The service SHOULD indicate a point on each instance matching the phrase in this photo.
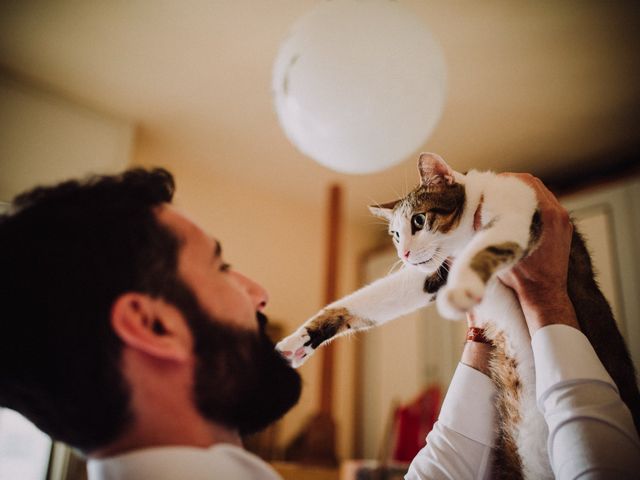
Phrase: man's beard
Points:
(241, 381)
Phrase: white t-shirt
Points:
(221, 461)
(591, 432)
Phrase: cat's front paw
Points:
(296, 347)
(459, 297)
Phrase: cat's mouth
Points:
(428, 260)
(422, 263)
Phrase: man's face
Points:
(240, 379)
(224, 293)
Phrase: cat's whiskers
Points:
(380, 222)
(396, 266)
(439, 256)
(443, 267)
(373, 220)
(373, 202)
(443, 260)
(406, 185)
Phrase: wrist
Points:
(477, 356)
(551, 309)
(477, 350)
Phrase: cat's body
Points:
(485, 223)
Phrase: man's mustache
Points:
(262, 321)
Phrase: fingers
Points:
(542, 192)
(545, 268)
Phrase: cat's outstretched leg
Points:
(503, 239)
(383, 300)
(327, 324)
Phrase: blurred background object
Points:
(359, 86)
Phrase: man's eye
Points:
(418, 220)
(225, 267)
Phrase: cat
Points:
(454, 232)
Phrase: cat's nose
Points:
(407, 253)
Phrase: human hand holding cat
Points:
(540, 279)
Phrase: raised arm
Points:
(591, 431)
(460, 444)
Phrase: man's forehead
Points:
(180, 222)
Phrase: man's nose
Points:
(256, 291)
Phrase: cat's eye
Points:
(418, 220)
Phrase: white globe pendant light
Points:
(359, 85)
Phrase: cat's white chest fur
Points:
(501, 315)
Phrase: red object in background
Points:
(413, 422)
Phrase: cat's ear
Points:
(384, 210)
(434, 170)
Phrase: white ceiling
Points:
(532, 85)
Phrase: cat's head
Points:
(423, 224)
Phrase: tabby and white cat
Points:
(447, 260)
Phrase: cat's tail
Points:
(598, 324)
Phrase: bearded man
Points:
(127, 336)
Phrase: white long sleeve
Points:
(591, 432)
(459, 446)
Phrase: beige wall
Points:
(45, 138)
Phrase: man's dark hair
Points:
(66, 253)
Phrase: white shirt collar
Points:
(220, 461)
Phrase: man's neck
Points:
(202, 435)
(163, 411)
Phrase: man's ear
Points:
(151, 326)
(434, 171)
(383, 211)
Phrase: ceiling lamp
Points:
(359, 85)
